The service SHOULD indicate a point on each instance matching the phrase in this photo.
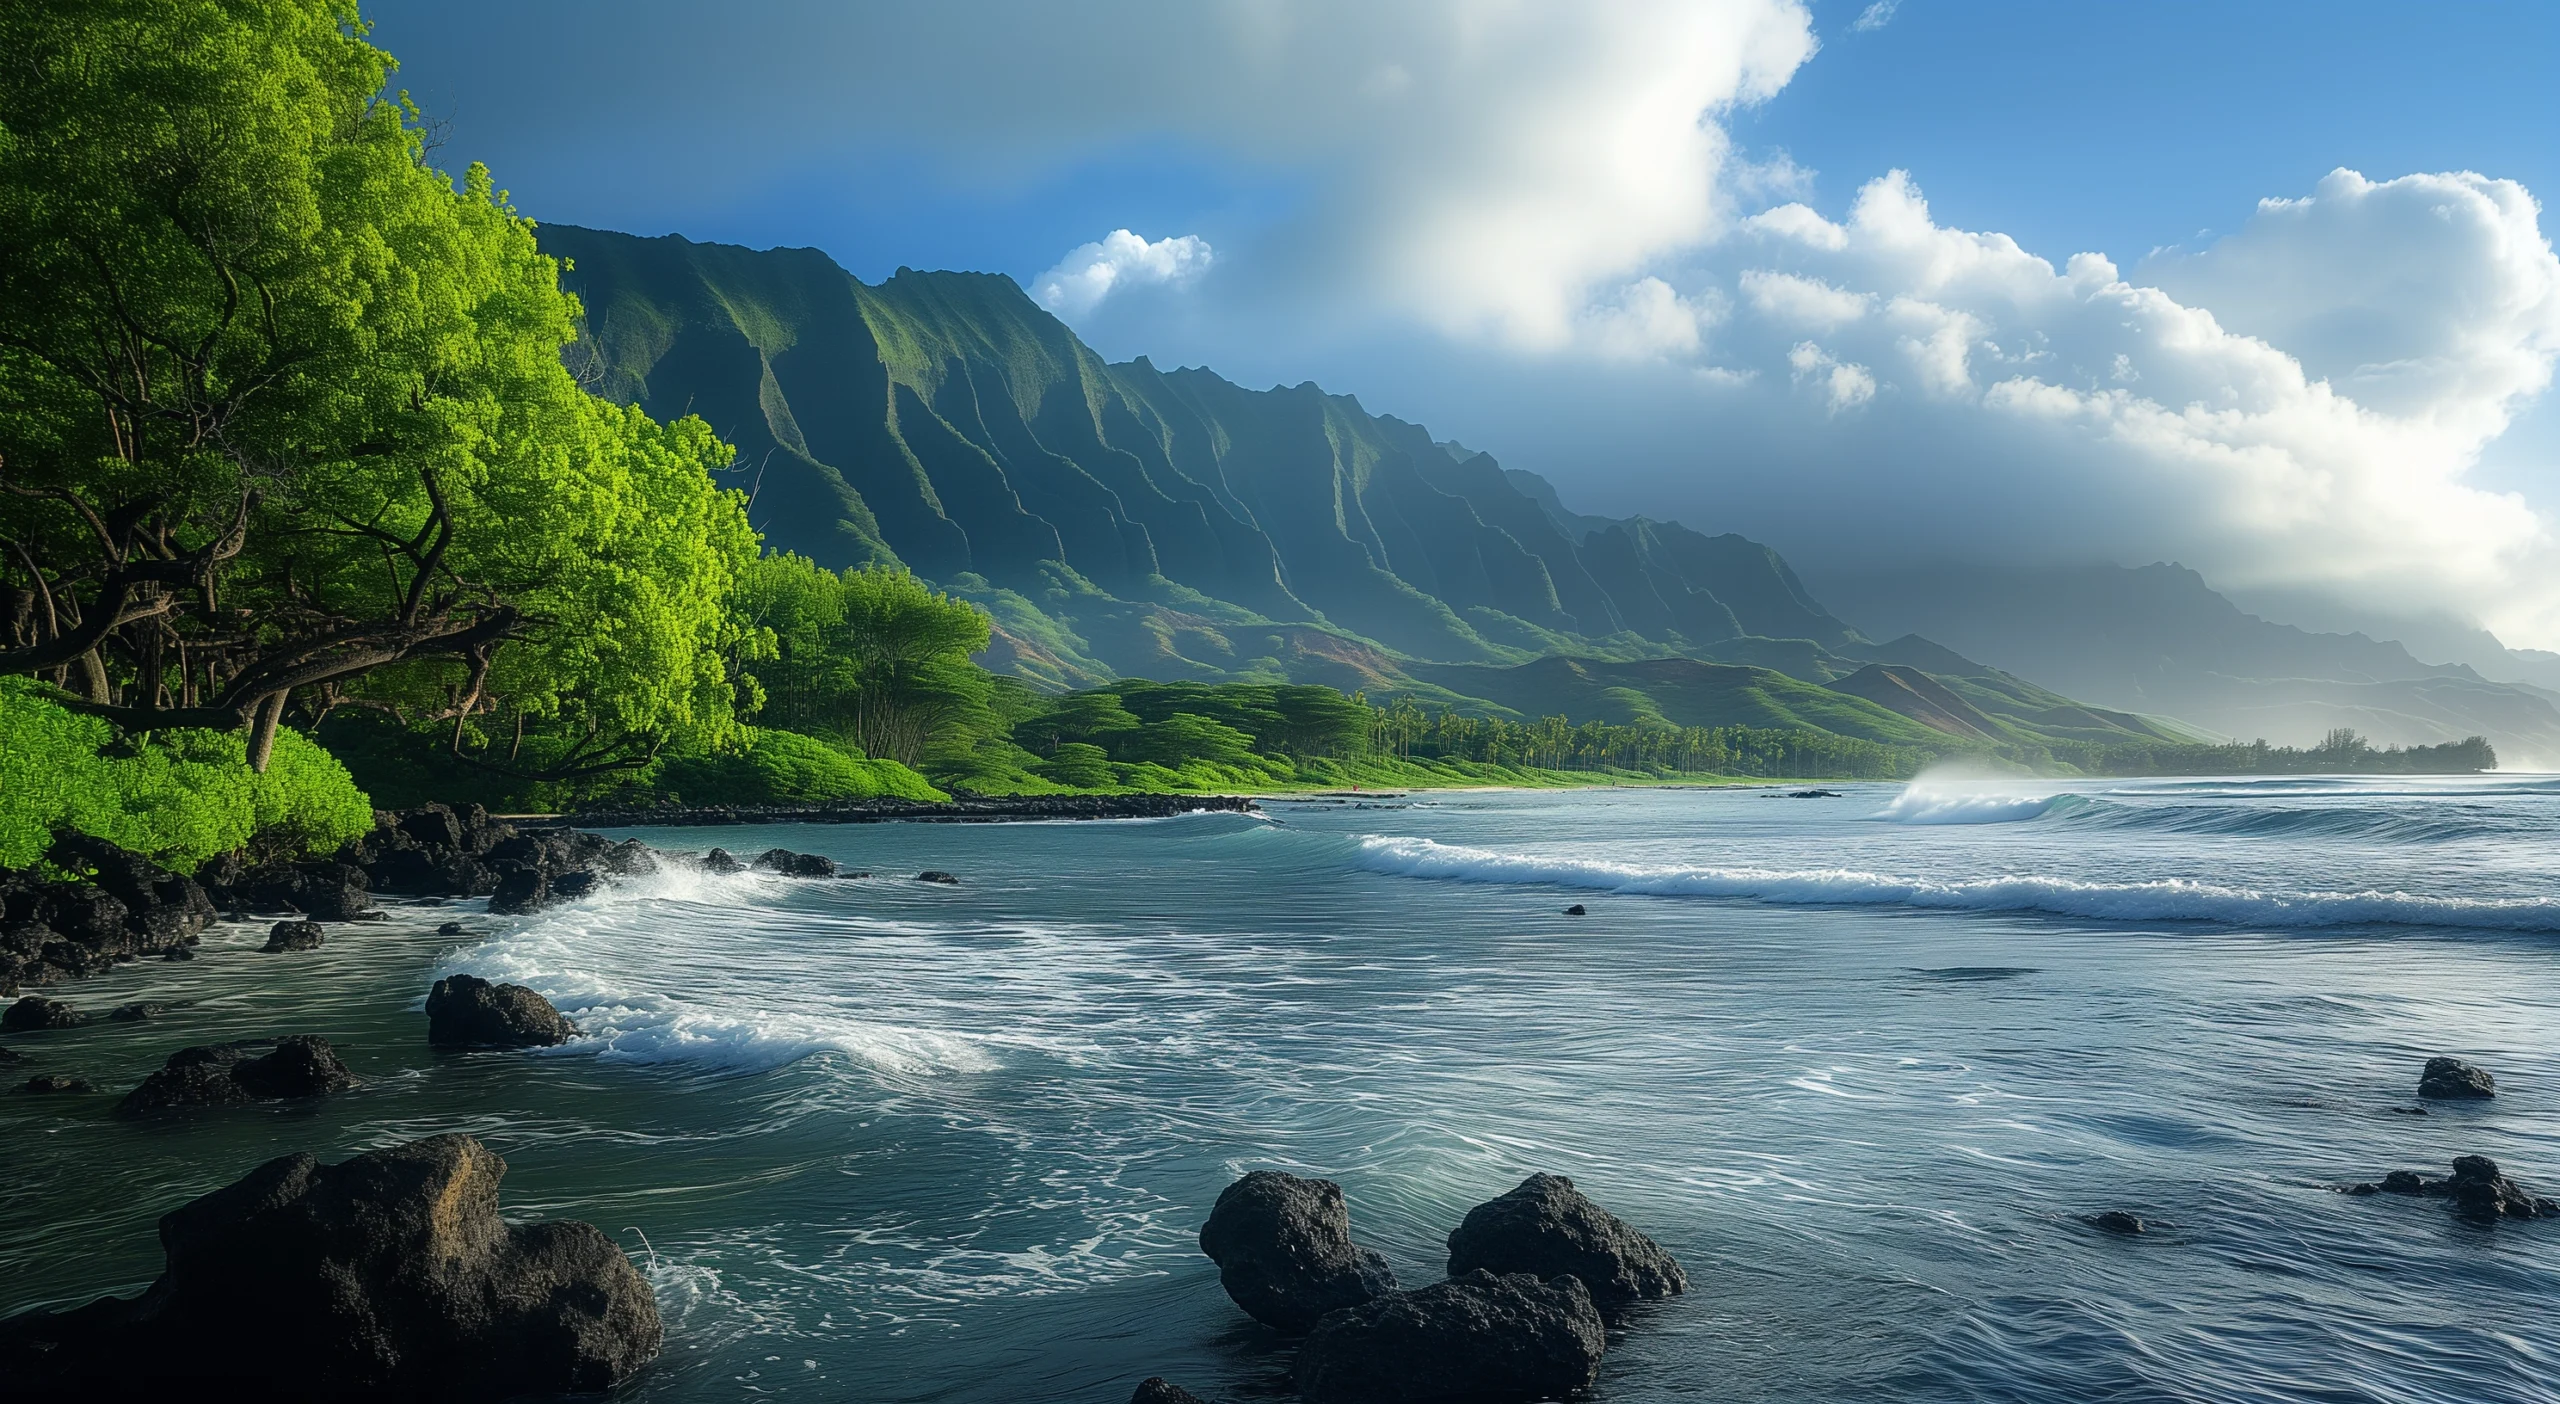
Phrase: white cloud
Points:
(1845, 385)
(1876, 16)
(1091, 272)
(1648, 320)
(2303, 411)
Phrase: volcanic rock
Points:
(2114, 1221)
(37, 1012)
(2453, 1079)
(224, 1074)
(1546, 1227)
(930, 875)
(43, 1083)
(389, 1276)
(790, 864)
(521, 890)
(138, 1011)
(719, 861)
(1474, 1337)
(162, 908)
(1577, 909)
(465, 1011)
(1284, 1251)
(2479, 1191)
(295, 936)
(1155, 1389)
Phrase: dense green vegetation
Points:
(180, 797)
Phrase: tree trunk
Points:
(93, 679)
(262, 730)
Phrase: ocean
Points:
(1862, 1061)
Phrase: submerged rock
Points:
(227, 1074)
(1546, 1227)
(935, 875)
(138, 1011)
(1284, 1251)
(2479, 1190)
(1577, 909)
(388, 1276)
(450, 928)
(43, 1083)
(2114, 1221)
(719, 861)
(37, 1012)
(294, 936)
(465, 1011)
(1475, 1337)
(1155, 1389)
(2451, 1079)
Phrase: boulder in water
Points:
(521, 890)
(1473, 1337)
(936, 875)
(1284, 1251)
(294, 936)
(227, 1074)
(1155, 1389)
(2451, 1079)
(790, 864)
(465, 1011)
(138, 1011)
(389, 1276)
(1577, 909)
(2479, 1190)
(44, 1083)
(2114, 1221)
(718, 860)
(1546, 1227)
(37, 1012)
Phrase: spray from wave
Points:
(2175, 899)
(608, 961)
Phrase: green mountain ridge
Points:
(1122, 520)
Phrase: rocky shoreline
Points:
(962, 809)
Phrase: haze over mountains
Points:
(1124, 520)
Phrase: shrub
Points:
(784, 767)
(176, 796)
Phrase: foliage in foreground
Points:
(179, 796)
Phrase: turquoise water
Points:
(1861, 1063)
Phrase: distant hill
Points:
(1125, 520)
(2159, 640)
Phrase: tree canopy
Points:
(283, 416)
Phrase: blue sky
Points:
(1549, 231)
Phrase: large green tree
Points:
(283, 418)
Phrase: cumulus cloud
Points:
(1091, 272)
(2298, 403)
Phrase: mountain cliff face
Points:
(947, 422)
(1126, 520)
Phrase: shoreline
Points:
(983, 809)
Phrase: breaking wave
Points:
(2175, 899)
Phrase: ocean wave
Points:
(564, 952)
(2173, 899)
(2425, 825)
(1921, 803)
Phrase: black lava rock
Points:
(1284, 1251)
(37, 1012)
(1546, 1227)
(719, 861)
(389, 1276)
(568, 887)
(1577, 909)
(2479, 1191)
(225, 1074)
(46, 1083)
(521, 890)
(450, 928)
(179, 953)
(295, 936)
(790, 864)
(2452, 1079)
(1476, 1337)
(2114, 1221)
(1155, 1389)
(932, 875)
(465, 1011)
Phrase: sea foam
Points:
(2174, 899)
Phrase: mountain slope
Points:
(1125, 520)
(2159, 640)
